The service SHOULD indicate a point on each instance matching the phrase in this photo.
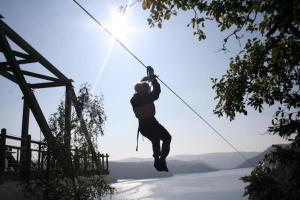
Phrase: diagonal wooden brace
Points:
(85, 131)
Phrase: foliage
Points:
(265, 72)
(93, 114)
(61, 187)
(277, 176)
(56, 184)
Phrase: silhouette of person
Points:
(144, 109)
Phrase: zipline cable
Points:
(166, 85)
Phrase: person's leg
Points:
(163, 135)
(156, 152)
(166, 139)
(155, 147)
(149, 131)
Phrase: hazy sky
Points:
(70, 40)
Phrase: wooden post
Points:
(85, 160)
(2, 150)
(18, 158)
(98, 157)
(68, 127)
(39, 157)
(68, 108)
(24, 134)
(25, 119)
(107, 161)
(76, 160)
(102, 159)
(297, 11)
(47, 163)
(42, 160)
(47, 173)
(28, 154)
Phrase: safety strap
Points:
(137, 139)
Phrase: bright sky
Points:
(74, 43)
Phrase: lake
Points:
(218, 185)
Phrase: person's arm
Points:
(154, 94)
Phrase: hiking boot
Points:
(163, 165)
(157, 165)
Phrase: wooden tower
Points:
(11, 69)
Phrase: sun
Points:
(119, 26)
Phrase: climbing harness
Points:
(137, 139)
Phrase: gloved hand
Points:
(150, 70)
(150, 74)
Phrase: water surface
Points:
(219, 185)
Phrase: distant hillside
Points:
(182, 167)
(142, 168)
(222, 160)
(255, 160)
(145, 169)
(135, 170)
(135, 159)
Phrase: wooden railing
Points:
(33, 157)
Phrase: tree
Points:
(265, 72)
(58, 185)
(93, 114)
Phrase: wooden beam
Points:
(21, 55)
(20, 62)
(31, 51)
(7, 75)
(26, 61)
(36, 75)
(46, 85)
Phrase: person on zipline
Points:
(144, 109)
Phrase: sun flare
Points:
(119, 26)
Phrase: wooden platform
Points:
(23, 156)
